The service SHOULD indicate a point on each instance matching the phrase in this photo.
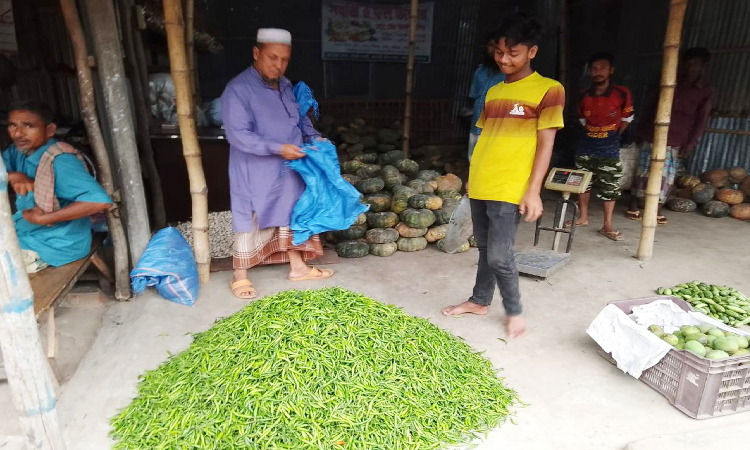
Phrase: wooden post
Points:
(410, 74)
(25, 364)
(190, 149)
(142, 114)
(106, 38)
(88, 110)
(564, 42)
(189, 7)
(663, 114)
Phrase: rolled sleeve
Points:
(74, 184)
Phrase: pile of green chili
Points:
(319, 369)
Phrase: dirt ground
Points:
(576, 400)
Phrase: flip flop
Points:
(315, 274)
(569, 224)
(661, 220)
(243, 289)
(634, 215)
(614, 235)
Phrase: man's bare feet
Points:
(515, 327)
(465, 308)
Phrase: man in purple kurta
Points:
(262, 124)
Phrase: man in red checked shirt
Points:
(606, 110)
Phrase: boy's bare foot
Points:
(515, 326)
(465, 308)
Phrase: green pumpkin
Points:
(383, 250)
(389, 171)
(436, 233)
(417, 218)
(361, 219)
(367, 158)
(407, 166)
(381, 235)
(369, 142)
(382, 219)
(369, 171)
(385, 148)
(422, 201)
(682, 205)
(379, 201)
(449, 195)
(448, 183)
(393, 156)
(352, 233)
(421, 186)
(443, 215)
(352, 179)
(352, 249)
(703, 193)
(352, 166)
(715, 209)
(427, 175)
(406, 231)
(464, 247)
(414, 244)
(370, 185)
(401, 196)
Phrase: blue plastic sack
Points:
(305, 99)
(169, 266)
(329, 202)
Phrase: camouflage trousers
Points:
(607, 173)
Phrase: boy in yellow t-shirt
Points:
(519, 122)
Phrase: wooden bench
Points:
(52, 284)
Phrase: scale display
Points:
(568, 180)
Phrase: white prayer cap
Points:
(274, 36)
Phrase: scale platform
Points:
(539, 262)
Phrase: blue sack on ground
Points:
(329, 202)
(169, 266)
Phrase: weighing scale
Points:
(542, 262)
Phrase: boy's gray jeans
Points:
(495, 226)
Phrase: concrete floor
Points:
(576, 399)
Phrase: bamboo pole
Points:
(413, 20)
(26, 366)
(105, 35)
(663, 114)
(142, 114)
(90, 119)
(189, 8)
(190, 148)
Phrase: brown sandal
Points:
(315, 274)
(243, 289)
(634, 215)
(614, 235)
(661, 220)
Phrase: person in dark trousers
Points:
(520, 118)
(605, 111)
(691, 109)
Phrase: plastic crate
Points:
(699, 387)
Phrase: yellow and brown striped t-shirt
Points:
(513, 113)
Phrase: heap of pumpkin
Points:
(717, 192)
(409, 207)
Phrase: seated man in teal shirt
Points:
(57, 227)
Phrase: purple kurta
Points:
(258, 120)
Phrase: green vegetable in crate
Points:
(703, 193)
(370, 185)
(720, 302)
(352, 249)
(741, 211)
(407, 166)
(698, 337)
(717, 354)
(695, 347)
(436, 233)
(421, 186)
(682, 205)
(379, 201)
(386, 219)
(417, 218)
(368, 158)
(715, 332)
(687, 330)
(715, 209)
(670, 339)
(414, 244)
(427, 175)
(369, 171)
(656, 329)
(730, 196)
(422, 201)
(352, 166)
(386, 249)
(406, 231)
(726, 345)
(742, 341)
(381, 235)
(350, 234)
(352, 179)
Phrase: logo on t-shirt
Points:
(517, 110)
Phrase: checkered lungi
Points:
(671, 166)
(270, 246)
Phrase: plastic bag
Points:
(213, 112)
(329, 202)
(168, 265)
(460, 227)
(305, 99)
